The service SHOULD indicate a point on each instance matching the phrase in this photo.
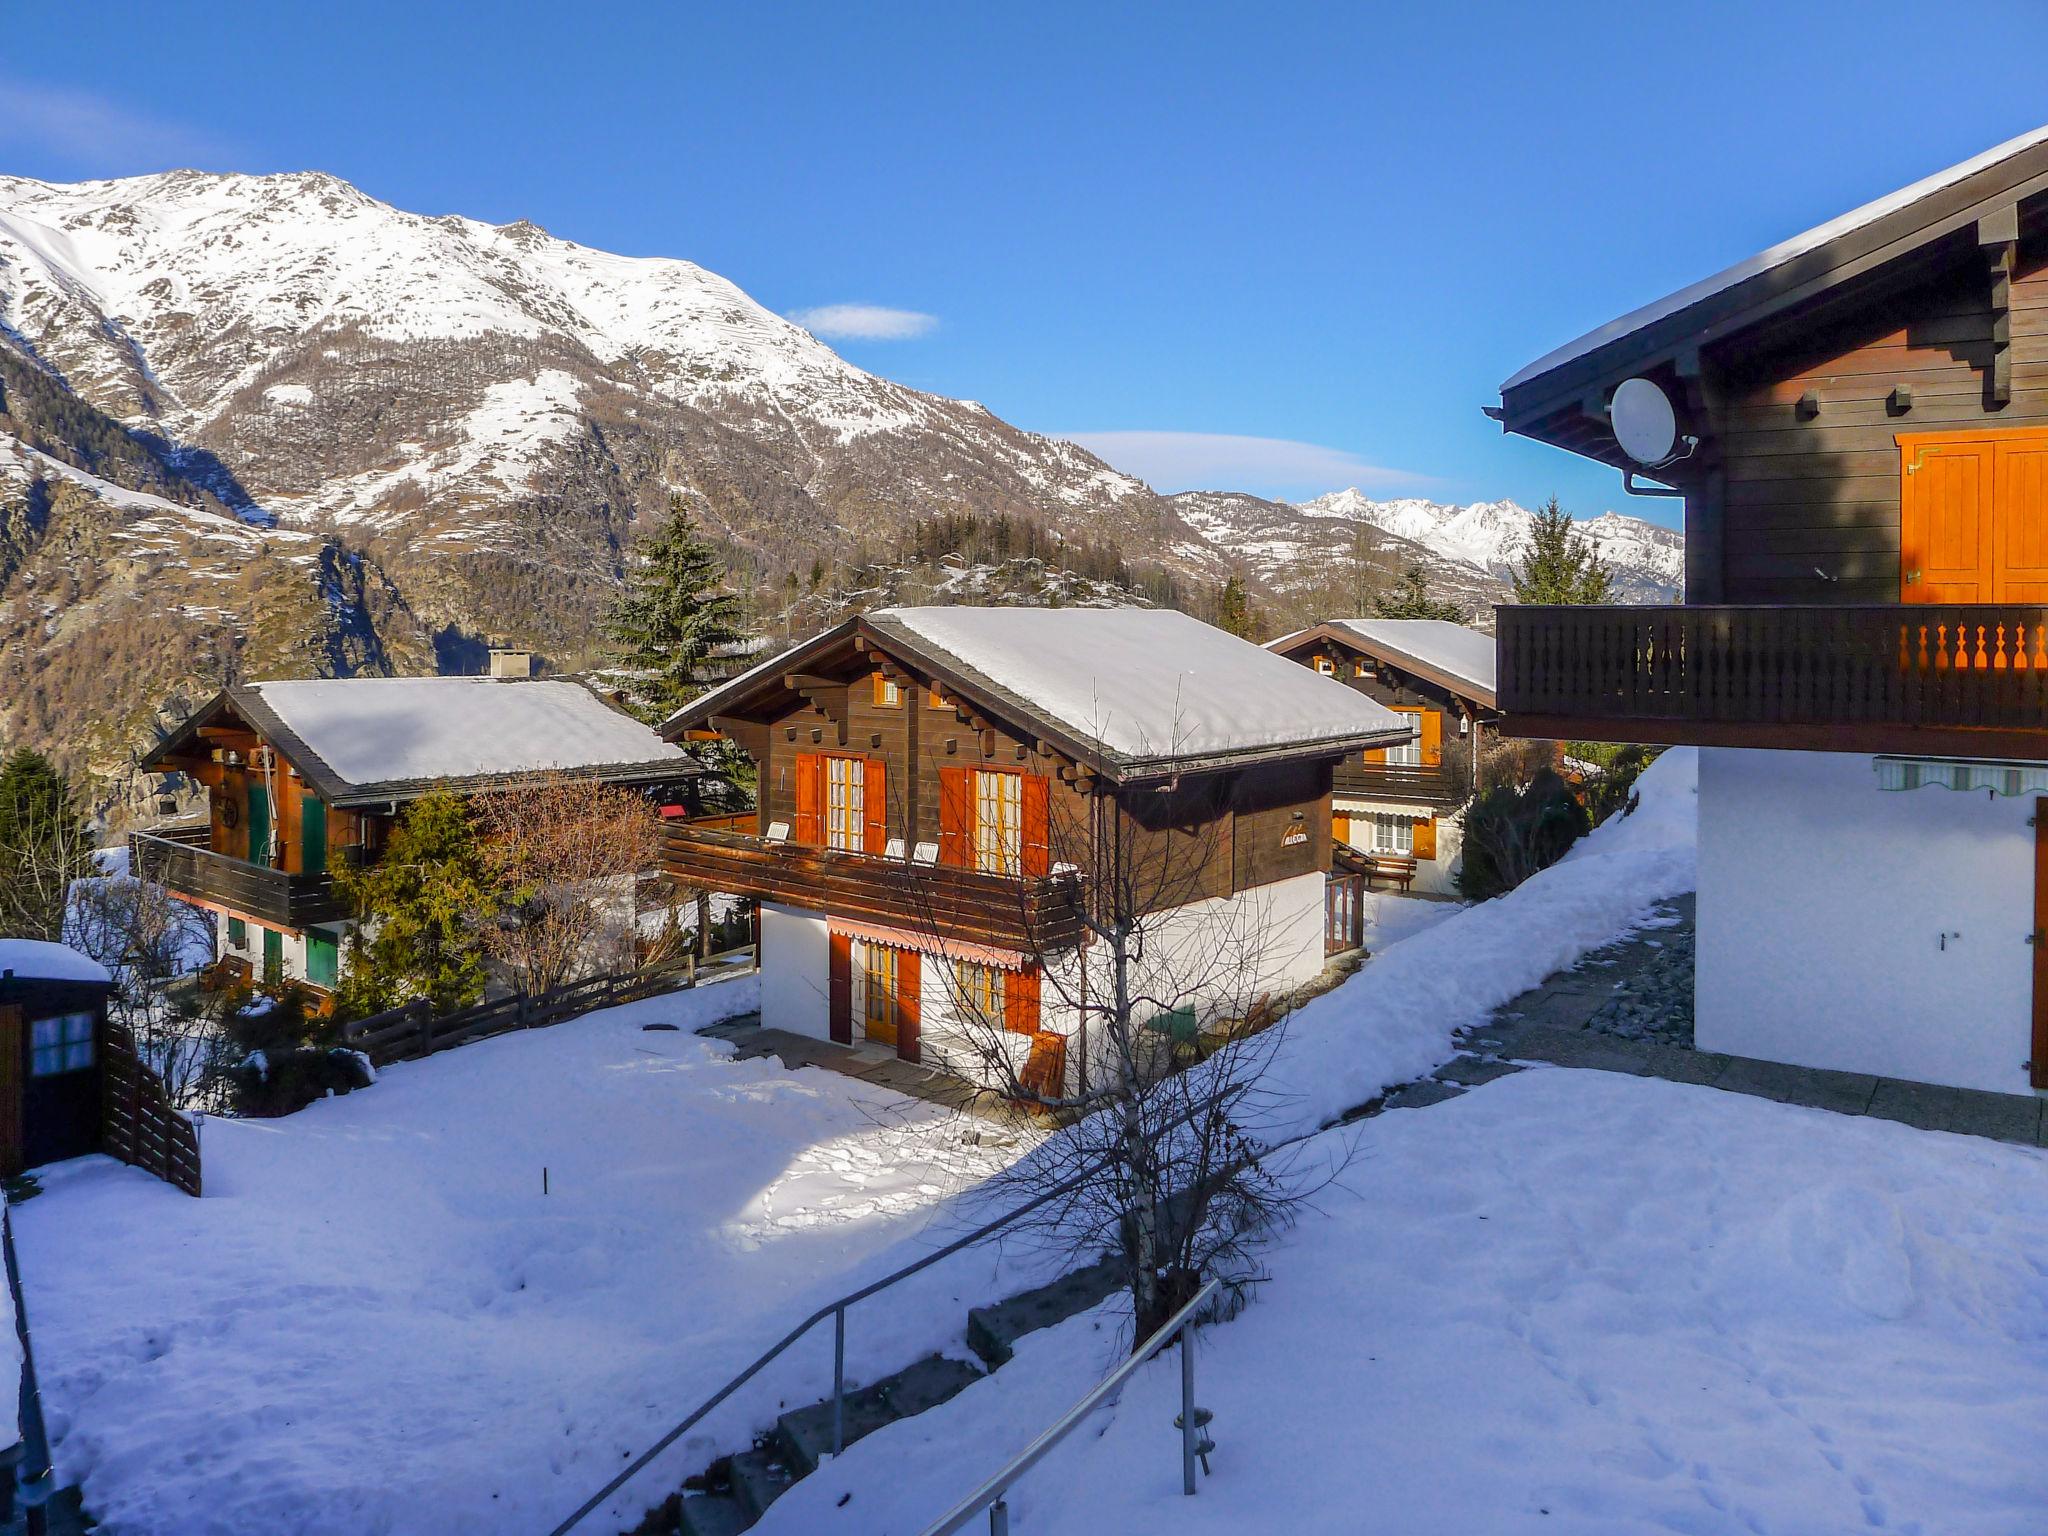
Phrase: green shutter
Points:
(312, 835)
(238, 933)
(273, 958)
(323, 957)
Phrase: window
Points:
(933, 698)
(238, 933)
(1326, 667)
(1361, 668)
(1389, 833)
(1409, 756)
(880, 994)
(888, 692)
(981, 992)
(999, 823)
(323, 957)
(845, 803)
(62, 1044)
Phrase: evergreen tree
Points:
(674, 614)
(1410, 599)
(1561, 565)
(45, 844)
(1234, 608)
(420, 911)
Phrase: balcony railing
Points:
(1963, 679)
(1017, 914)
(270, 896)
(1449, 784)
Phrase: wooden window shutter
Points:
(1037, 804)
(810, 799)
(1020, 1001)
(1376, 755)
(956, 817)
(1432, 738)
(909, 1002)
(1340, 826)
(874, 800)
(1425, 838)
(839, 990)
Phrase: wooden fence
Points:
(138, 1123)
(413, 1030)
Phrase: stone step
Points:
(804, 1435)
(759, 1478)
(712, 1514)
(992, 1331)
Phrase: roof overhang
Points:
(1564, 403)
(1330, 632)
(865, 635)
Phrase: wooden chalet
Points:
(1401, 808)
(303, 776)
(1856, 422)
(943, 790)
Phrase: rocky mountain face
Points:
(1328, 555)
(270, 426)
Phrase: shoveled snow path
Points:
(1567, 1302)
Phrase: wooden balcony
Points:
(268, 896)
(1446, 786)
(1022, 915)
(1965, 680)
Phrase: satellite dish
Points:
(1644, 423)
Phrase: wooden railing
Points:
(250, 890)
(1022, 915)
(1448, 784)
(138, 1123)
(1966, 679)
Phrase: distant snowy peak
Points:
(1493, 536)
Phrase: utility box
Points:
(507, 663)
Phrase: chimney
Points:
(507, 663)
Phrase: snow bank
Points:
(1569, 1302)
(1392, 1022)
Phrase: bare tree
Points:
(45, 845)
(1157, 1029)
(567, 853)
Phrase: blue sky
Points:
(1274, 248)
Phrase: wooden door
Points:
(1945, 520)
(12, 1049)
(2020, 478)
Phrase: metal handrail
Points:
(837, 1311)
(991, 1494)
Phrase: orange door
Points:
(2020, 477)
(1945, 519)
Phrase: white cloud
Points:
(865, 322)
(1212, 461)
(98, 134)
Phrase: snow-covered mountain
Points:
(1309, 552)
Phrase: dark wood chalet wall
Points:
(1809, 502)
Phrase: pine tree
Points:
(1234, 608)
(1561, 566)
(420, 912)
(1411, 599)
(45, 844)
(673, 616)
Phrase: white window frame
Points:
(1389, 832)
(1409, 756)
(845, 803)
(998, 822)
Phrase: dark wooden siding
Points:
(1810, 509)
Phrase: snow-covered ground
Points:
(1391, 917)
(376, 1322)
(1568, 1302)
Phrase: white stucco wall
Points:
(795, 972)
(294, 947)
(1823, 903)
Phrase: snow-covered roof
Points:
(1143, 689)
(40, 960)
(1776, 256)
(374, 729)
(1459, 657)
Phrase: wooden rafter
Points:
(1999, 238)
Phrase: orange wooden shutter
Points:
(1340, 826)
(1432, 738)
(909, 1002)
(1425, 838)
(1037, 803)
(839, 988)
(1376, 755)
(956, 817)
(874, 799)
(1945, 521)
(810, 799)
(1020, 1001)
(2021, 552)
